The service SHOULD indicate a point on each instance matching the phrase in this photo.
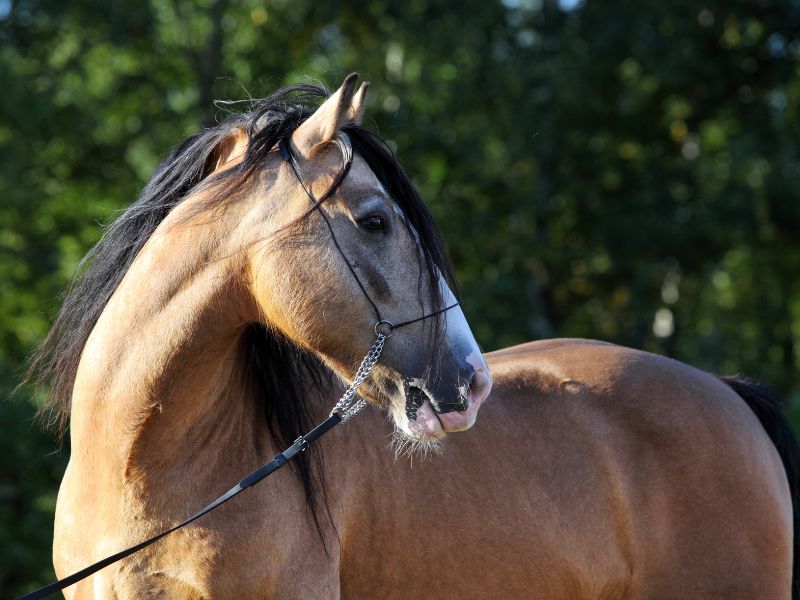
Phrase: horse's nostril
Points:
(480, 384)
(414, 399)
(472, 383)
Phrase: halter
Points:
(345, 409)
(348, 405)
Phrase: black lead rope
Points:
(300, 444)
(303, 442)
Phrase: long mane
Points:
(275, 366)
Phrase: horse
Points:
(228, 308)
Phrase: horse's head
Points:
(366, 250)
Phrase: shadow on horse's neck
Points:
(162, 392)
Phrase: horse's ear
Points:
(359, 104)
(228, 152)
(343, 107)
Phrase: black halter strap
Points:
(347, 158)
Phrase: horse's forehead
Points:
(361, 179)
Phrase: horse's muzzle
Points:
(428, 417)
(480, 384)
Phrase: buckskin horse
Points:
(228, 308)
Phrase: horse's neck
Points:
(160, 392)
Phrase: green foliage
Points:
(612, 170)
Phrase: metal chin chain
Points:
(350, 404)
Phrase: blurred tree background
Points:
(614, 170)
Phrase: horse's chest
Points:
(204, 565)
(234, 559)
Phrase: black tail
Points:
(768, 407)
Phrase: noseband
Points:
(344, 409)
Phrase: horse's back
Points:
(663, 462)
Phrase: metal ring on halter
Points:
(386, 330)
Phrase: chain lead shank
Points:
(350, 404)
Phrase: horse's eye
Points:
(373, 223)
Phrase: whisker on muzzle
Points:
(405, 446)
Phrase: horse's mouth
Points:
(420, 421)
(423, 422)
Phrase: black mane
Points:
(275, 366)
